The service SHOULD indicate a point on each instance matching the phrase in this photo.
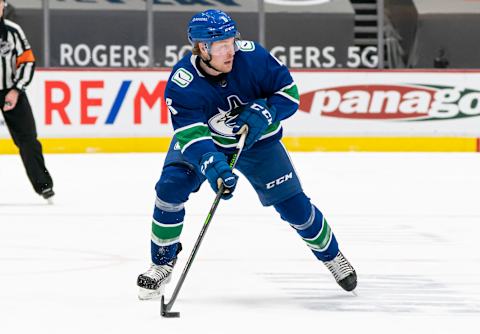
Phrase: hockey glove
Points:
(257, 116)
(217, 171)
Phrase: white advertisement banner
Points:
(95, 104)
(100, 103)
(387, 103)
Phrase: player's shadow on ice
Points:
(375, 293)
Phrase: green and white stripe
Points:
(169, 207)
(290, 92)
(224, 141)
(308, 223)
(322, 240)
(192, 133)
(196, 132)
(271, 130)
(166, 234)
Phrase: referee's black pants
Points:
(21, 125)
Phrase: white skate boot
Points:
(343, 272)
(152, 283)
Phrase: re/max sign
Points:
(94, 103)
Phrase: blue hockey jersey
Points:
(203, 107)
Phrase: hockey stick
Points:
(165, 308)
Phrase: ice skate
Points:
(343, 272)
(152, 283)
(48, 194)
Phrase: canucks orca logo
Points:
(223, 122)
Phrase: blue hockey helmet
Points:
(210, 26)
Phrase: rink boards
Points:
(369, 110)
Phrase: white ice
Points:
(409, 223)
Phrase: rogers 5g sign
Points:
(102, 55)
(298, 56)
(326, 57)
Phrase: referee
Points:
(17, 65)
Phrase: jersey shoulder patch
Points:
(246, 46)
(182, 77)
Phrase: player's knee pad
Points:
(296, 210)
(176, 183)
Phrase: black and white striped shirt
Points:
(17, 62)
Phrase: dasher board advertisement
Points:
(130, 103)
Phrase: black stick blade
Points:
(166, 314)
(171, 314)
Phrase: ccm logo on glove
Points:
(216, 169)
(265, 112)
(257, 115)
(205, 164)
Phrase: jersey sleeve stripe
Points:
(290, 92)
(271, 130)
(193, 125)
(229, 142)
(191, 142)
(188, 135)
(224, 141)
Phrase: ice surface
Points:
(409, 223)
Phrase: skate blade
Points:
(147, 294)
(50, 201)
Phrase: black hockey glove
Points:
(257, 115)
(215, 167)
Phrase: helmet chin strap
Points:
(207, 62)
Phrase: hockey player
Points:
(224, 84)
